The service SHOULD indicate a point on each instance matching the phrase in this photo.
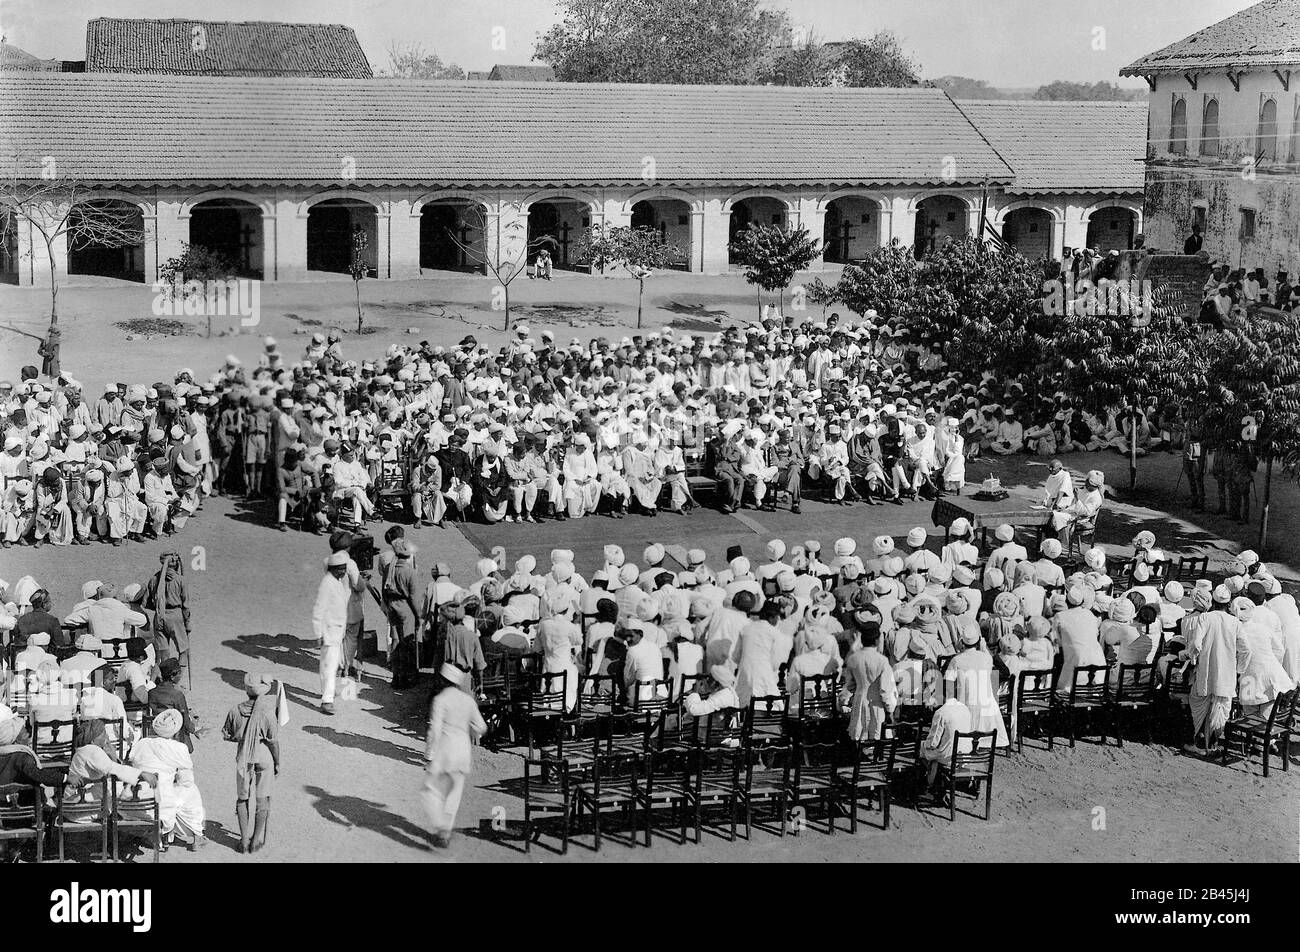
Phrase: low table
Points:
(1015, 511)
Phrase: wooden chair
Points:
(723, 728)
(1173, 702)
(872, 773)
(1089, 696)
(1134, 693)
(22, 815)
(675, 730)
(767, 722)
(908, 765)
(652, 696)
(715, 781)
(542, 704)
(769, 785)
(135, 809)
(52, 738)
(813, 778)
(1034, 694)
(1276, 728)
(547, 792)
(1190, 568)
(88, 810)
(113, 651)
(667, 779)
(393, 487)
(974, 764)
(818, 714)
(613, 785)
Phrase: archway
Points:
(8, 245)
(671, 219)
(759, 210)
(1112, 228)
(1029, 231)
(96, 230)
(557, 224)
(451, 236)
(939, 218)
(233, 229)
(851, 229)
(330, 225)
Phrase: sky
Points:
(1008, 43)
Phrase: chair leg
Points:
(528, 830)
(988, 796)
(884, 805)
(1266, 753)
(952, 799)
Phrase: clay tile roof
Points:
(523, 74)
(1265, 36)
(228, 48)
(1066, 146)
(124, 129)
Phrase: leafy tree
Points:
(963, 87)
(1255, 370)
(878, 61)
(411, 61)
(1103, 91)
(357, 266)
(192, 272)
(660, 41)
(639, 251)
(772, 256)
(884, 281)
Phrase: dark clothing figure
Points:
(34, 621)
(167, 597)
(168, 696)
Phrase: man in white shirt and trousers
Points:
(329, 621)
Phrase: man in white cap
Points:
(919, 560)
(653, 556)
(1008, 552)
(329, 621)
(454, 723)
(1087, 505)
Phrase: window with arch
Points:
(1266, 140)
(1178, 126)
(1210, 127)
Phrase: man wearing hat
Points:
(329, 621)
(168, 695)
(454, 723)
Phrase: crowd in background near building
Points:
(535, 429)
(1230, 293)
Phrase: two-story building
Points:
(1223, 140)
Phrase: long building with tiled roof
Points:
(275, 173)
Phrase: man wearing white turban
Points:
(180, 806)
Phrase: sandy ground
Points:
(350, 786)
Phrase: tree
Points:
(772, 256)
(1255, 370)
(357, 266)
(192, 273)
(639, 251)
(1103, 91)
(879, 61)
(963, 87)
(410, 61)
(62, 208)
(505, 250)
(884, 281)
(660, 41)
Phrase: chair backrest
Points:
(12, 807)
(597, 691)
(21, 688)
(718, 766)
(1090, 684)
(675, 728)
(875, 758)
(1178, 680)
(722, 728)
(52, 737)
(689, 684)
(1282, 717)
(494, 679)
(611, 765)
(1135, 682)
(766, 721)
(978, 757)
(1036, 685)
(815, 758)
(651, 695)
(546, 690)
(1159, 572)
(908, 737)
(113, 650)
(818, 696)
(1192, 567)
(628, 729)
